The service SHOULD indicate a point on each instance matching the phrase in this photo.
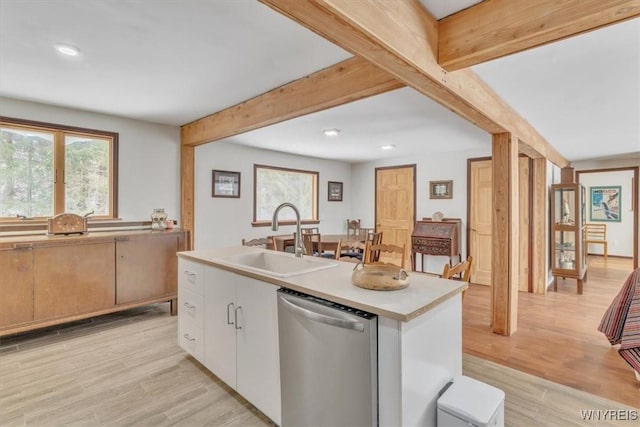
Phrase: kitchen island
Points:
(228, 321)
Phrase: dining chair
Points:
(350, 250)
(311, 242)
(265, 242)
(375, 239)
(310, 230)
(393, 254)
(353, 227)
(460, 271)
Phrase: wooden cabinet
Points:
(16, 285)
(72, 279)
(567, 233)
(47, 280)
(240, 332)
(134, 283)
(435, 238)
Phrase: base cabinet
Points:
(240, 330)
(73, 279)
(49, 280)
(16, 286)
(135, 283)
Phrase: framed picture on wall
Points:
(334, 191)
(440, 189)
(225, 184)
(605, 204)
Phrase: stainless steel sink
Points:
(277, 264)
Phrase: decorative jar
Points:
(158, 219)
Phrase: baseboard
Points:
(611, 256)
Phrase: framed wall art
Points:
(334, 191)
(440, 189)
(225, 184)
(605, 204)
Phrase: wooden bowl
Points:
(379, 277)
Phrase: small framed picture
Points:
(225, 184)
(335, 191)
(440, 189)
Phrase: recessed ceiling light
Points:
(68, 50)
(331, 132)
(388, 147)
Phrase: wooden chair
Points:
(312, 243)
(596, 234)
(350, 250)
(265, 242)
(310, 230)
(375, 239)
(460, 271)
(353, 228)
(373, 253)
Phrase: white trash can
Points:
(471, 402)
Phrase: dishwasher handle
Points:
(323, 318)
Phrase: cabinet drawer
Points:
(191, 276)
(191, 323)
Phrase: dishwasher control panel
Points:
(327, 303)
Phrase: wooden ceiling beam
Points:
(347, 81)
(497, 28)
(401, 38)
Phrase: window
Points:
(274, 186)
(47, 169)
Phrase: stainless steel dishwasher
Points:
(328, 362)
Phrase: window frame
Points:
(59, 133)
(315, 198)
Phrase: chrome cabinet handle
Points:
(229, 322)
(236, 316)
(188, 337)
(189, 273)
(188, 305)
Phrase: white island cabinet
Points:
(236, 325)
(229, 323)
(241, 337)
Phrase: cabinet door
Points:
(146, 268)
(16, 286)
(257, 345)
(219, 321)
(73, 279)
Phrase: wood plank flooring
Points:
(557, 337)
(125, 369)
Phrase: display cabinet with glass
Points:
(567, 235)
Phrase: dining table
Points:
(329, 242)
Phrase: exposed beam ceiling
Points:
(497, 28)
(344, 82)
(401, 37)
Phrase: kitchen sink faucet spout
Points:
(298, 249)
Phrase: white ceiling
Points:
(175, 61)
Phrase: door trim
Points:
(530, 230)
(634, 204)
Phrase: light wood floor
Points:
(125, 369)
(557, 337)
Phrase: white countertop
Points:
(423, 293)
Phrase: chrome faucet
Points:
(298, 249)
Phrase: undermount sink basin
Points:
(277, 264)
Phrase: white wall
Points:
(223, 222)
(148, 158)
(429, 167)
